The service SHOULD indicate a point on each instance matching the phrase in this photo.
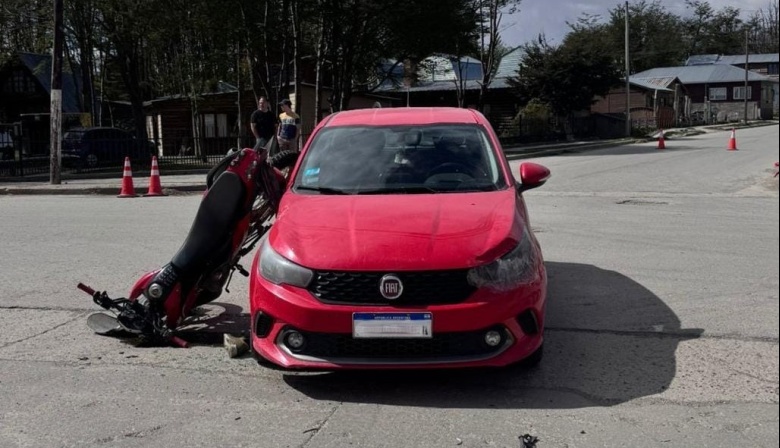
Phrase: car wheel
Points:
(92, 160)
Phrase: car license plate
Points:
(392, 325)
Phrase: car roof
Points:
(96, 128)
(403, 116)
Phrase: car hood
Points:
(396, 232)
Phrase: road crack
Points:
(69, 321)
(316, 429)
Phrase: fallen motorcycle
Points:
(242, 195)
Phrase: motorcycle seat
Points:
(213, 227)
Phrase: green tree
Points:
(764, 28)
(25, 25)
(654, 37)
(567, 77)
(725, 32)
(489, 14)
(126, 25)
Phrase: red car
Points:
(403, 241)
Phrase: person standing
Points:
(287, 135)
(262, 122)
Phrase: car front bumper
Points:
(457, 340)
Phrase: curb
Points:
(177, 190)
(517, 155)
(105, 176)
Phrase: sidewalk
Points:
(171, 185)
(179, 184)
(532, 151)
(194, 183)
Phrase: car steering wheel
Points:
(458, 168)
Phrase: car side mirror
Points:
(532, 175)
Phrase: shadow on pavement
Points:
(609, 340)
(632, 149)
(209, 323)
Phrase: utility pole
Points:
(628, 84)
(55, 114)
(239, 119)
(747, 57)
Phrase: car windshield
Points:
(5, 139)
(73, 135)
(400, 159)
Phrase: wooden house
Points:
(213, 123)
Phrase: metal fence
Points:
(23, 158)
(553, 129)
(26, 158)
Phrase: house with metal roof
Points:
(654, 102)
(717, 92)
(25, 100)
(25, 87)
(437, 80)
(763, 63)
(767, 64)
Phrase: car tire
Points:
(91, 160)
(282, 160)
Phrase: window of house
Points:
(19, 82)
(718, 93)
(772, 69)
(209, 126)
(739, 93)
(215, 125)
(222, 127)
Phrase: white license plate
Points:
(392, 325)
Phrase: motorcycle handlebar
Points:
(180, 342)
(86, 289)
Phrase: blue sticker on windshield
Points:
(312, 172)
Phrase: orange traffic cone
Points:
(661, 143)
(128, 191)
(733, 141)
(155, 189)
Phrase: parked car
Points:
(402, 241)
(6, 145)
(101, 146)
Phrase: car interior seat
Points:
(402, 170)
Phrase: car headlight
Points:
(518, 267)
(279, 270)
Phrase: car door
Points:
(121, 143)
(96, 147)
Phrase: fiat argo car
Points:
(403, 241)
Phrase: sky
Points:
(550, 16)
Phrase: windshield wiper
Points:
(400, 189)
(322, 190)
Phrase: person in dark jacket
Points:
(263, 122)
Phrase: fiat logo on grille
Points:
(391, 287)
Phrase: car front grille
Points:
(442, 346)
(419, 288)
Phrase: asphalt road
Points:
(662, 315)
